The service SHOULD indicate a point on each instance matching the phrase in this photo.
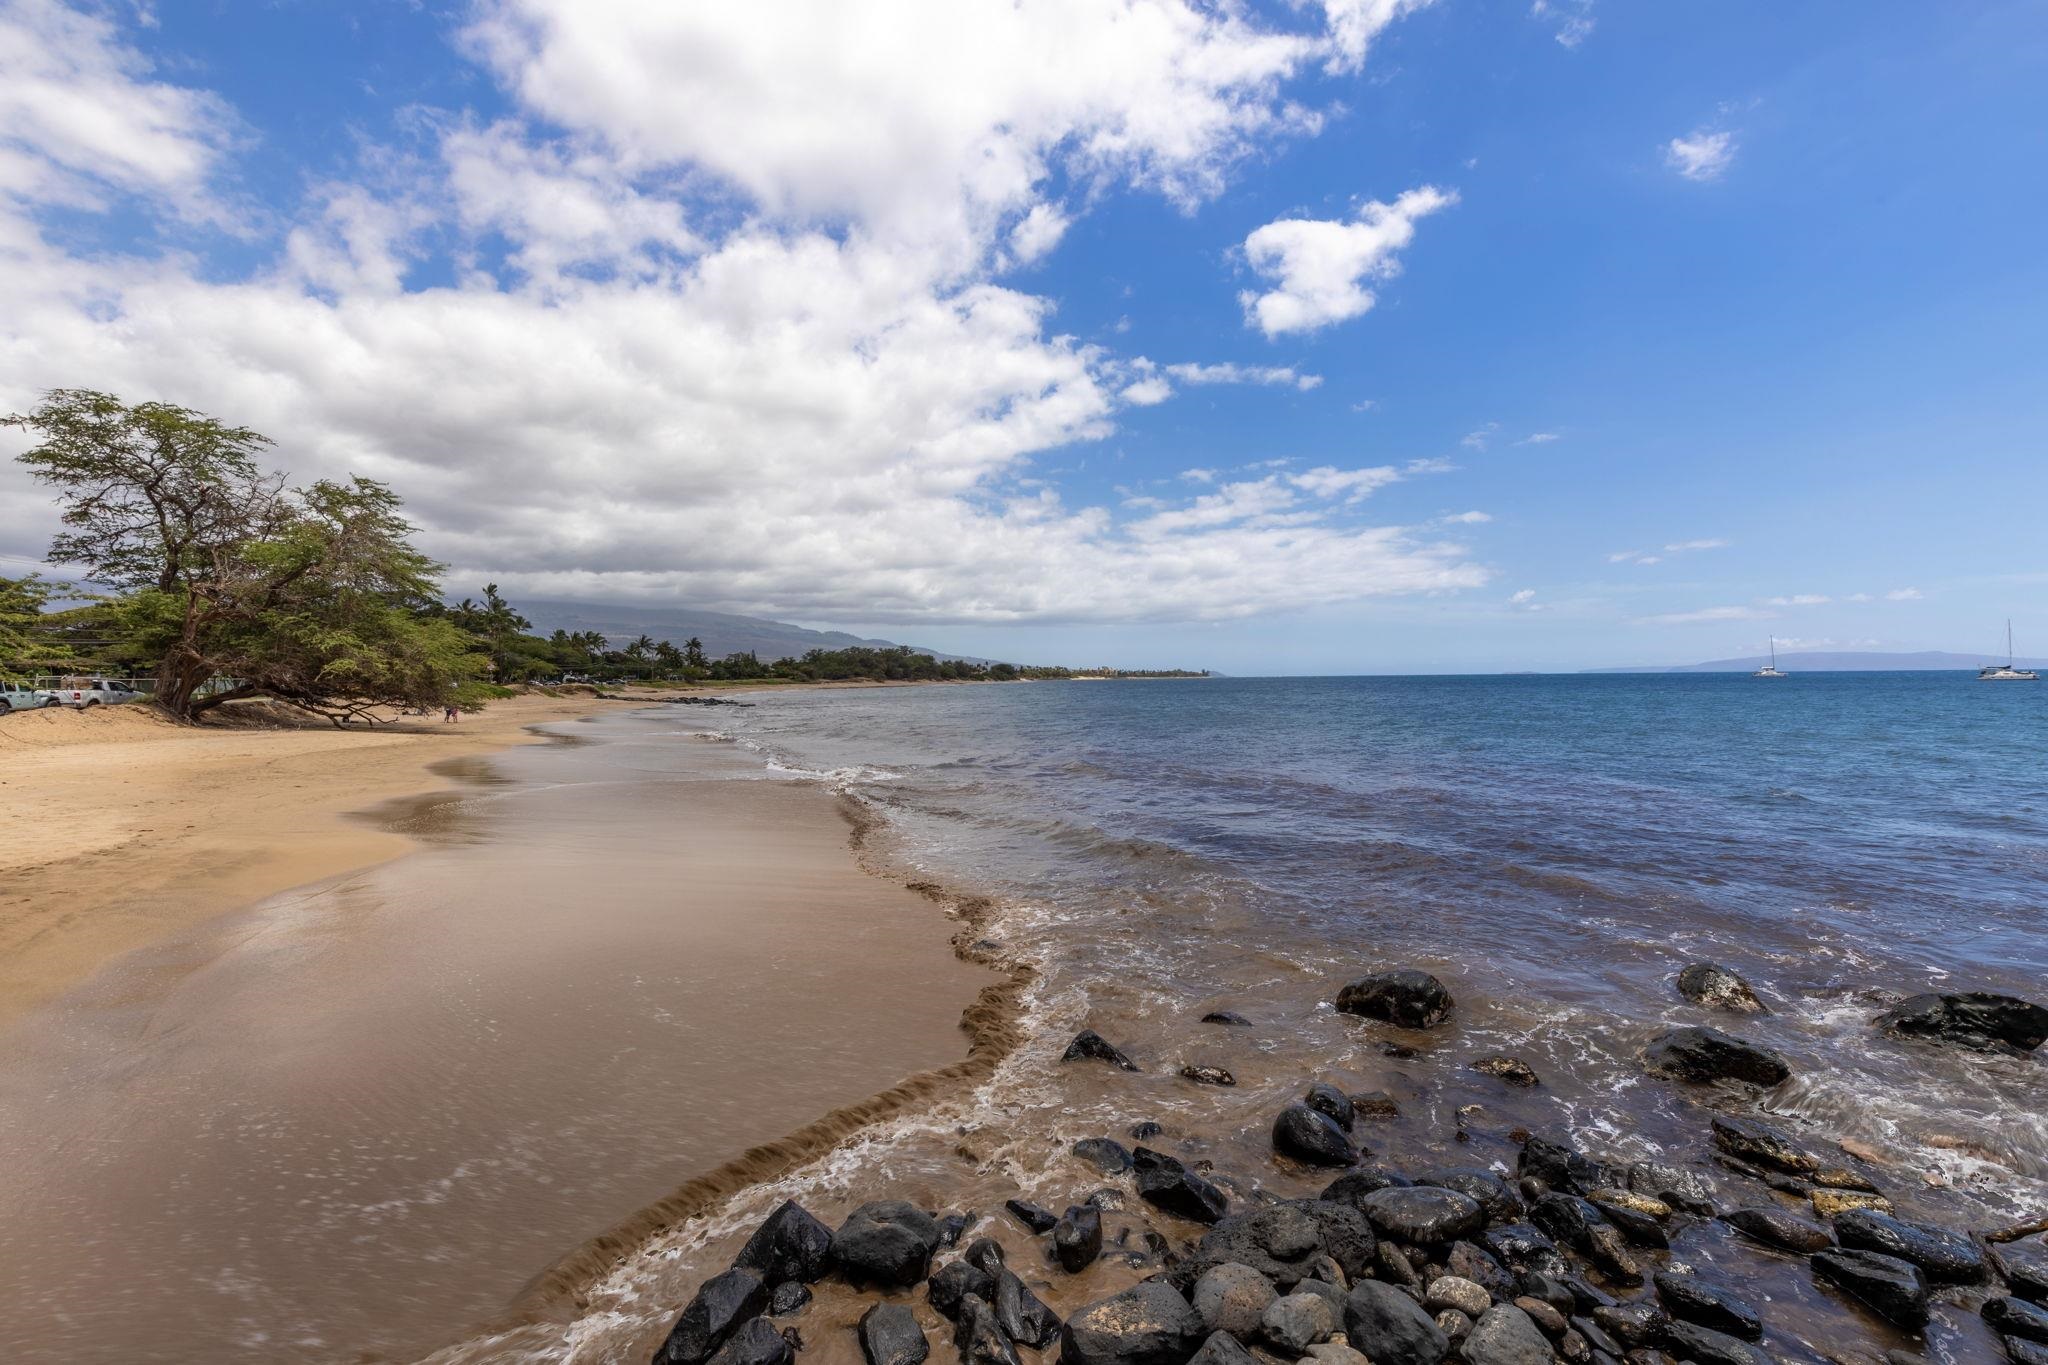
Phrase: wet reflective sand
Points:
(359, 1117)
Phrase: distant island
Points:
(1923, 661)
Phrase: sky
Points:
(1331, 336)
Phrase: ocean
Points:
(1554, 848)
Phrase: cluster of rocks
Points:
(1551, 1262)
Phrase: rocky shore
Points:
(1564, 1254)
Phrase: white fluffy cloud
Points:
(1321, 269)
(709, 337)
(1701, 155)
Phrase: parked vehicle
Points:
(15, 697)
(82, 692)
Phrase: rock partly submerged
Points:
(1702, 1054)
(1972, 1019)
(1716, 987)
(1411, 999)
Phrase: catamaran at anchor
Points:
(1770, 670)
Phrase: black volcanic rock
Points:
(889, 1335)
(1974, 1019)
(1147, 1324)
(1353, 1186)
(1513, 1070)
(1109, 1156)
(1227, 1018)
(1088, 1045)
(1410, 999)
(2011, 1317)
(1944, 1256)
(1703, 983)
(1390, 1328)
(1691, 1299)
(1311, 1136)
(1037, 1217)
(1753, 1141)
(1705, 1346)
(720, 1305)
(979, 1338)
(1077, 1238)
(956, 1282)
(1892, 1288)
(1563, 1167)
(1777, 1228)
(755, 1342)
(1021, 1315)
(1165, 1183)
(2025, 1267)
(1328, 1099)
(1423, 1215)
(1495, 1194)
(1707, 1054)
(888, 1243)
(791, 1296)
(789, 1245)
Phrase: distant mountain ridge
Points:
(722, 633)
(1923, 661)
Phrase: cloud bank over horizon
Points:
(659, 320)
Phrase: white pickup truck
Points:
(97, 692)
(15, 697)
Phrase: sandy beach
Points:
(123, 827)
(623, 973)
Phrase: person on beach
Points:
(449, 716)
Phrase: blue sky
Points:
(1689, 325)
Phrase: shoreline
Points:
(346, 977)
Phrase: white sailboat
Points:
(2005, 672)
(1770, 670)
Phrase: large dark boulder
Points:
(1107, 1155)
(1974, 1019)
(1147, 1324)
(1389, 1328)
(1505, 1335)
(1166, 1184)
(1946, 1257)
(1077, 1238)
(1283, 1242)
(1020, 1314)
(789, 1245)
(955, 1283)
(1346, 1235)
(1423, 1215)
(720, 1305)
(1705, 1346)
(1088, 1045)
(1222, 1349)
(1313, 1137)
(2025, 1267)
(1520, 1247)
(1688, 1298)
(1777, 1228)
(1707, 1054)
(1325, 1098)
(1561, 1166)
(1037, 1217)
(1409, 998)
(1759, 1143)
(887, 1243)
(1678, 1186)
(1892, 1288)
(1703, 983)
(979, 1338)
(755, 1342)
(1567, 1218)
(1495, 1195)
(889, 1335)
(2011, 1317)
(1353, 1186)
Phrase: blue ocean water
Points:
(1557, 846)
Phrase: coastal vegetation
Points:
(222, 582)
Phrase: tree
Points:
(25, 643)
(239, 588)
(693, 652)
(149, 491)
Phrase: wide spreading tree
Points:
(235, 585)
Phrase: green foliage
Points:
(25, 643)
(149, 492)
